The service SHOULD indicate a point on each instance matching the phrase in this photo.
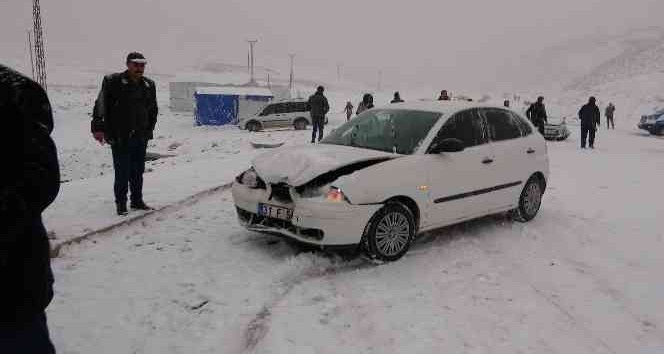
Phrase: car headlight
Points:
(336, 195)
(249, 178)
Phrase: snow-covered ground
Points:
(583, 277)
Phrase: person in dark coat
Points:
(397, 98)
(349, 110)
(30, 183)
(610, 109)
(319, 108)
(589, 116)
(444, 96)
(537, 114)
(128, 106)
(367, 103)
(506, 103)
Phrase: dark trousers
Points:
(129, 165)
(317, 126)
(540, 127)
(609, 120)
(587, 133)
(29, 337)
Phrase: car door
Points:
(459, 182)
(509, 141)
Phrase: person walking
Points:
(444, 96)
(349, 110)
(30, 183)
(589, 116)
(367, 103)
(128, 106)
(319, 108)
(608, 113)
(537, 114)
(397, 98)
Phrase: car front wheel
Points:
(390, 232)
(300, 124)
(529, 201)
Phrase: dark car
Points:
(647, 123)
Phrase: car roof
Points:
(290, 100)
(446, 108)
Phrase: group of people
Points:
(589, 116)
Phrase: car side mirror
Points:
(447, 145)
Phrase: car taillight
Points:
(335, 195)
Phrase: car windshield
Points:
(390, 130)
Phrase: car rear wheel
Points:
(253, 126)
(390, 232)
(529, 201)
(300, 124)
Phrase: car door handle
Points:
(530, 151)
(487, 160)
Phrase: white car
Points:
(556, 129)
(288, 113)
(392, 173)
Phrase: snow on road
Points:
(583, 277)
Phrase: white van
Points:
(287, 113)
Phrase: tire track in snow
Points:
(170, 208)
(259, 326)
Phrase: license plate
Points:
(276, 212)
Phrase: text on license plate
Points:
(275, 211)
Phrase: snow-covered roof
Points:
(235, 91)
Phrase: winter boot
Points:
(122, 209)
(140, 206)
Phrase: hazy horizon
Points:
(417, 42)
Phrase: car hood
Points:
(297, 165)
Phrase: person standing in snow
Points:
(367, 103)
(30, 183)
(397, 98)
(349, 110)
(537, 114)
(319, 108)
(128, 108)
(506, 103)
(608, 113)
(443, 96)
(589, 116)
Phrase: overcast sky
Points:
(426, 39)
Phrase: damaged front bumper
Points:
(315, 221)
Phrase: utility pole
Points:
(40, 51)
(292, 75)
(32, 59)
(252, 42)
(380, 74)
(338, 72)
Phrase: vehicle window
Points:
(523, 125)
(302, 107)
(399, 131)
(468, 126)
(502, 126)
(268, 110)
(280, 108)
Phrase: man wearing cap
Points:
(127, 104)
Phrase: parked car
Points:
(391, 173)
(556, 129)
(658, 127)
(287, 113)
(647, 123)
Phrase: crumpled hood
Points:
(297, 165)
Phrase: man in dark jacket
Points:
(589, 116)
(537, 114)
(129, 111)
(30, 182)
(610, 109)
(397, 98)
(319, 108)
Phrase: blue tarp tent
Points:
(225, 105)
